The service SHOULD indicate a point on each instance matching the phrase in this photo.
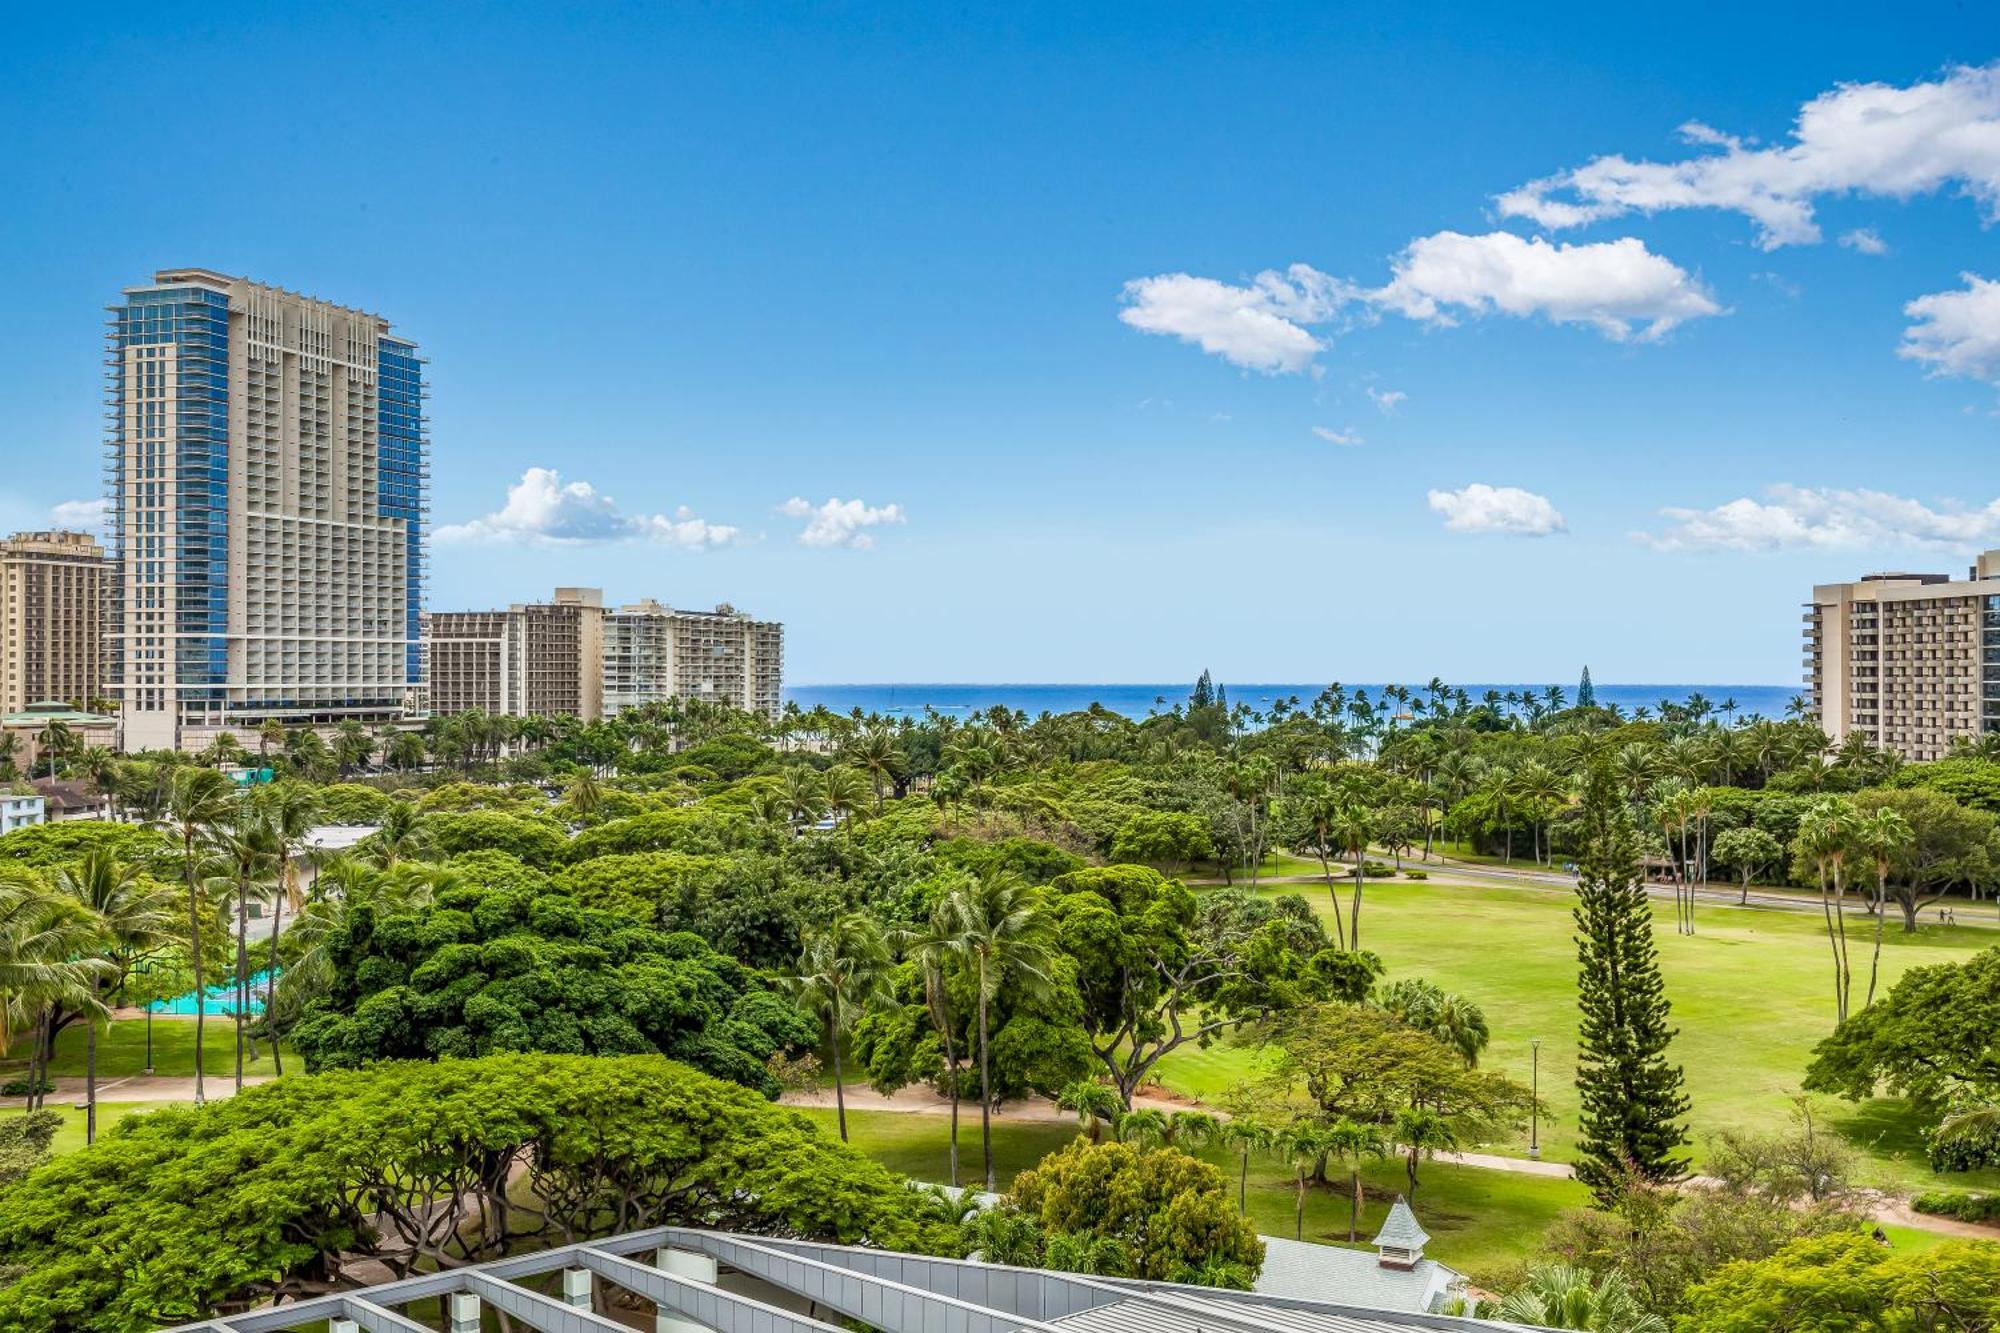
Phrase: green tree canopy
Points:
(1833, 1284)
(1170, 1213)
(183, 1214)
(486, 969)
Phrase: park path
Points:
(916, 1100)
(71, 1091)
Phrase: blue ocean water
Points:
(1139, 700)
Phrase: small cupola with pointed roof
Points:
(1400, 1243)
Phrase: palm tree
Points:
(56, 740)
(269, 734)
(1305, 1145)
(846, 795)
(843, 975)
(1880, 835)
(932, 949)
(877, 754)
(251, 846)
(1004, 934)
(1143, 1126)
(804, 795)
(290, 810)
(1245, 1135)
(1539, 789)
(1095, 1105)
(1190, 1129)
(352, 746)
(585, 794)
(198, 801)
(1422, 1132)
(1826, 835)
(1349, 1141)
(400, 834)
(133, 916)
(1354, 826)
(46, 944)
(1559, 1296)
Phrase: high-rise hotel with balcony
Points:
(266, 472)
(1906, 661)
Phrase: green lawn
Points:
(70, 1137)
(1483, 1221)
(121, 1050)
(1751, 994)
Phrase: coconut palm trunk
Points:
(985, 1084)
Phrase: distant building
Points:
(27, 727)
(1906, 661)
(67, 799)
(654, 652)
(266, 463)
(20, 808)
(533, 659)
(53, 587)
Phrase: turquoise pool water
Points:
(216, 1001)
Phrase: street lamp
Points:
(145, 969)
(1535, 1099)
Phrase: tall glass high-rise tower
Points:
(266, 476)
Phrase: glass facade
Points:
(169, 399)
(403, 474)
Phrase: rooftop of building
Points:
(194, 275)
(44, 711)
(62, 541)
(774, 1285)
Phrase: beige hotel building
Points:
(1906, 661)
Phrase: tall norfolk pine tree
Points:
(1586, 693)
(1632, 1098)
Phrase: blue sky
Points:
(712, 260)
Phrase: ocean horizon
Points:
(1138, 700)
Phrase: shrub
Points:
(1416, 874)
(1169, 1215)
(24, 1086)
(1961, 1204)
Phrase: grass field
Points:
(1482, 1221)
(1752, 994)
(121, 1051)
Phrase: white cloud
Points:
(1865, 241)
(1612, 286)
(81, 515)
(1331, 436)
(1386, 399)
(840, 522)
(543, 510)
(1862, 138)
(1609, 285)
(1957, 333)
(1501, 509)
(1258, 327)
(1816, 518)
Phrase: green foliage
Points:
(351, 803)
(1965, 1205)
(535, 840)
(695, 831)
(182, 1214)
(1848, 1281)
(24, 1142)
(1973, 782)
(1930, 1039)
(1035, 861)
(43, 845)
(657, 888)
(730, 757)
(1148, 956)
(484, 970)
(1160, 837)
(1632, 1097)
(1171, 1214)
